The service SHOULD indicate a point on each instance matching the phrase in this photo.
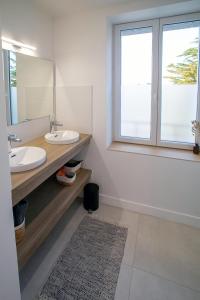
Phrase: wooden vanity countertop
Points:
(24, 183)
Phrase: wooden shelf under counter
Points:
(47, 204)
(24, 183)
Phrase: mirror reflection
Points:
(28, 87)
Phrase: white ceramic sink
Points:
(62, 137)
(26, 158)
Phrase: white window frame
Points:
(157, 34)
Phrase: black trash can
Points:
(91, 197)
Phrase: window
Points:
(10, 63)
(156, 76)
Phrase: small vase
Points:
(196, 149)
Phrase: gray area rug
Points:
(88, 268)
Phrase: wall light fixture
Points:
(10, 44)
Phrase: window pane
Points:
(136, 76)
(179, 81)
(13, 88)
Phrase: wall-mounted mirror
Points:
(29, 85)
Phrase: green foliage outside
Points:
(185, 72)
(13, 73)
(13, 80)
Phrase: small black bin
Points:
(91, 197)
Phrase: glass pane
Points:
(13, 88)
(136, 77)
(179, 81)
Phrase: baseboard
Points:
(151, 210)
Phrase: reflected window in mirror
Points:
(29, 83)
(10, 86)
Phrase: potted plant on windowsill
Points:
(196, 133)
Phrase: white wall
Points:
(160, 186)
(24, 22)
(28, 131)
(21, 21)
(78, 100)
(9, 282)
(34, 87)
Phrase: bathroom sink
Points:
(26, 158)
(62, 137)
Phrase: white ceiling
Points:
(62, 7)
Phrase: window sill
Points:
(155, 151)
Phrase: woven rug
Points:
(88, 268)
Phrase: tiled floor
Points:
(161, 259)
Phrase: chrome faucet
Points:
(12, 138)
(53, 125)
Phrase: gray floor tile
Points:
(118, 216)
(145, 286)
(129, 250)
(169, 250)
(124, 218)
(124, 282)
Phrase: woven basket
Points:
(20, 232)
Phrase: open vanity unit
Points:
(48, 200)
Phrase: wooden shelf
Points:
(24, 183)
(47, 204)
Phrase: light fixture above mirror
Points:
(9, 44)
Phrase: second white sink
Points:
(62, 137)
(26, 158)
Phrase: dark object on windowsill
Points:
(196, 149)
